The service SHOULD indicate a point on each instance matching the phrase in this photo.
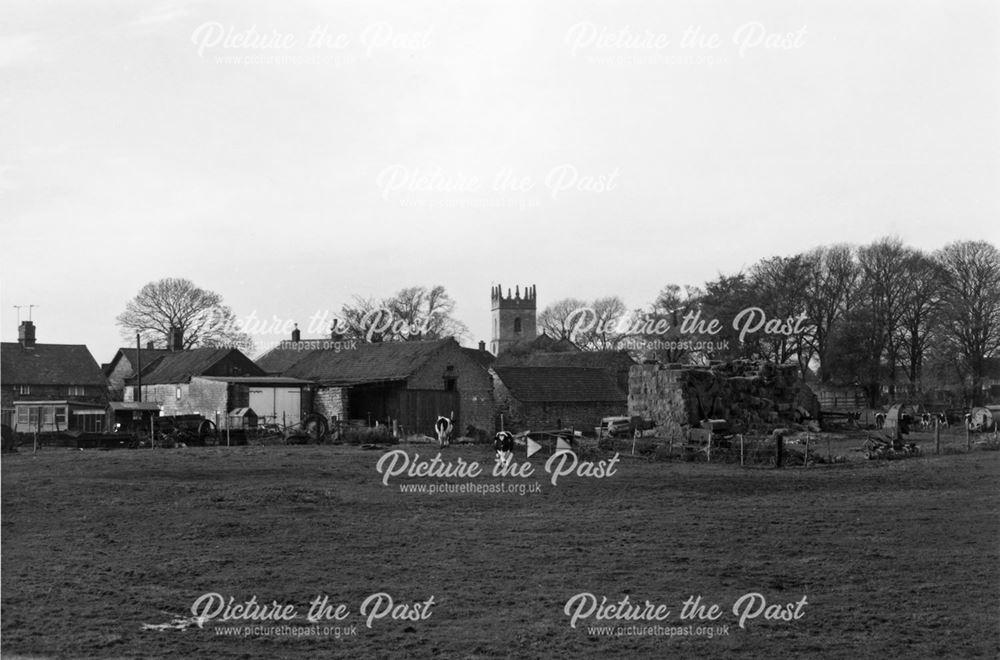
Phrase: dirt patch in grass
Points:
(897, 559)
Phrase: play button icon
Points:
(562, 445)
(533, 447)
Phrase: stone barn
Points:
(410, 382)
(548, 398)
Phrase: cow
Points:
(444, 427)
(926, 420)
(503, 443)
(942, 419)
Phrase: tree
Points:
(971, 306)
(920, 313)
(557, 319)
(831, 285)
(411, 314)
(197, 313)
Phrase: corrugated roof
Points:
(49, 364)
(367, 363)
(560, 384)
(180, 366)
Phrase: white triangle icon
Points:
(533, 447)
(562, 445)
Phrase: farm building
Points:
(124, 364)
(541, 398)
(616, 364)
(411, 383)
(213, 381)
(746, 394)
(50, 387)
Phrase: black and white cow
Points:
(444, 427)
(503, 443)
(926, 420)
(942, 419)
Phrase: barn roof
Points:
(49, 364)
(180, 366)
(592, 359)
(560, 384)
(484, 359)
(367, 362)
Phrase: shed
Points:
(242, 418)
(900, 415)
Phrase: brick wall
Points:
(520, 416)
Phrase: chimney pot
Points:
(150, 345)
(296, 335)
(176, 339)
(482, 345)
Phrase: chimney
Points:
(482, 345)
(176, 340)
(150, 345)
(26, 334)
(296, 335)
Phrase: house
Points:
(213, 381)
(410, 383)
(539, 398)
(124, 364)
(50, 388)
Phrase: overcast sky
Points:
(586, 147)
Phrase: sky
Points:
(290, 156)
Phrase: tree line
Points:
(876, 317)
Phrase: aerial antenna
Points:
(20, 307)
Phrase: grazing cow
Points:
(942, 419)
(444, 427)
(926, 420)
(503, 443)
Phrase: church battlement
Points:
(515, 301)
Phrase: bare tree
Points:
(412, 313)
(971, 306)
(177, 303)
(830, 288)
(557, 319)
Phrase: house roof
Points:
(560, 384)
(180, 366)
(367, 363)
(49, 364)
(259, 380)
(149, 355)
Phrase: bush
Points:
(364, 435)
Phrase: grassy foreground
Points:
(896, 559)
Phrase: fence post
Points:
(937, 436)
(741, 450)
(779, 450)
(968, 438)
(805, 461)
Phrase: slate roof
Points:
(560, 384)
(366, 363)
(279, 360)
(49, 364)
(149, 356)
(180, 366)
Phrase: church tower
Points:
(513, 318)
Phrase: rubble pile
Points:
(749, 395)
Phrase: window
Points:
(48, 415)
(450, 384)
(76, 390)
(517, 325)
(24, 389)
(178, 393)
(22, 416)
(61, 417)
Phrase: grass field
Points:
(897, 559)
